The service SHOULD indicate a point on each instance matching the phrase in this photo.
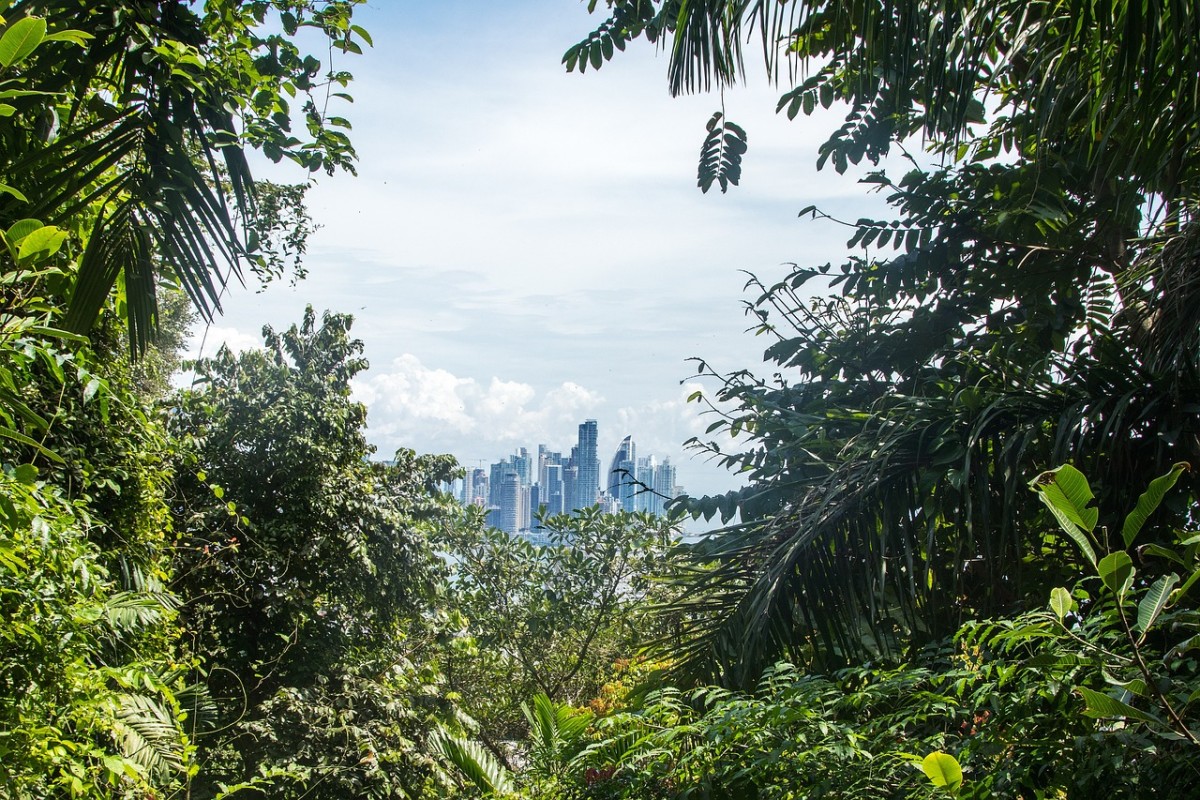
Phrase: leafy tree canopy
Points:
(1032, 300)
(552, 618)
(127, 126)
(302, 567)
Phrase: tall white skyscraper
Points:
(622, 477)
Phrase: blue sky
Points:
(525, 248)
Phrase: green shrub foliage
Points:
(302, 567)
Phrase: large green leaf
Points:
(1117, 571)
(1149, 501)
(41, 243)
(1066, 493)
(943, 770)
(1060, 602)
(1101, 706)
(20, 39)
(1155, 600)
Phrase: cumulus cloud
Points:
(432, 409)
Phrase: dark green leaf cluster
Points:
(1031, 301)
(303, 567)
(128, 125)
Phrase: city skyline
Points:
(515, 489)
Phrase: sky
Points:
(524, 249)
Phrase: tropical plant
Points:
(91, 704)
(475, 765)
(1032, 301)
(304, 572)
(135, 142)
(549, 619)
(992, 714)
(1154, 622)
(93, 697)
(93, 694)
(555, 740)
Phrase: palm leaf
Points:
(475, 764)
(148, 734)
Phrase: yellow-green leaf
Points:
(943, 770)
(21, 39)
(1060, 602)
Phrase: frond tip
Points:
(721, 154)
(475, 764)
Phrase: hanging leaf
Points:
(721, 154)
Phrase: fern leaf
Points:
(721, 154)
(147, 734)
(475, 764)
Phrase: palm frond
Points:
(137, 611)
(475, 764)
(148, 735)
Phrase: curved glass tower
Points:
(622, 476)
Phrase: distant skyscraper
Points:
(587, 467)
(664, 485)
(477, 492)
(645, 479)
(622, 476)
(511, 510)
(546, 458)
(515, 489)
(496, 475)
(552, 489)
(536, 505)
(570, 478)
(523, 465)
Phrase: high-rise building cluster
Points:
(516, 489)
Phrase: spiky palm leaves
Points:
(140, 149)
(911, 65)
(1022, 324)
(556, 740)
(885, 509)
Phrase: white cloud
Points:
(525, 249)
(480, 421)
(413, 405)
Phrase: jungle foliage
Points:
(303, 568)
(549, 619)
(1031, 302)
(217, 591)
(123, 184)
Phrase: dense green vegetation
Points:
(222, 591)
